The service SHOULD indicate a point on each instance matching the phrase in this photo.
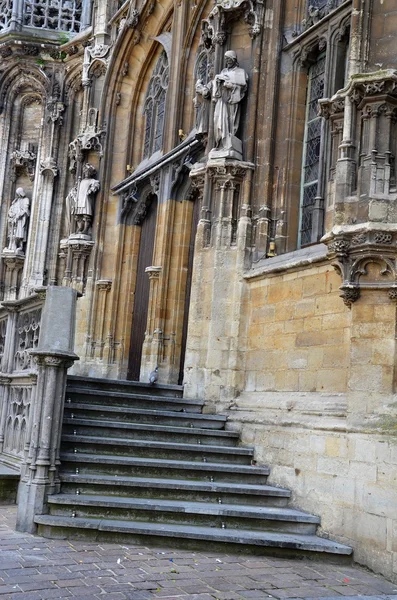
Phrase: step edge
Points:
(178, 464)
(104, 381)
(150, 426)
(202, 508)
(163, 413)
(242, 451)
(302, 542)
(178, 484)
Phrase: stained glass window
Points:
(155, 107)
(311, 151)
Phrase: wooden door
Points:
(195, 220)
(141, 302)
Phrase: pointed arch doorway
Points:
(142, 288)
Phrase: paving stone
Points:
(41, 569)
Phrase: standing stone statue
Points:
(228, 90)
(202, 105)
(18, 221)
(81, 200)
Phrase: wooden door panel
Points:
(141, 301)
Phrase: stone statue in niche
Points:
(228, 90)
(18, 222)
(80, 202)
(202, 105)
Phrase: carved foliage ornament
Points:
(365, 260)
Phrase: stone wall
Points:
(318, 404)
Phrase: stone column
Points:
(153, 344)
(39, 470)
(215, 345)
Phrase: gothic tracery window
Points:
(61, 15)
(312, 149)
(154, 110)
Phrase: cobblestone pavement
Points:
(33, 568)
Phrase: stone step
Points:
(131, 400)
(119, 385)
(183, 512)
(155, 467)
(174, 489)
(146, 431)
(173, 534)
(145, 448)
(139, 415)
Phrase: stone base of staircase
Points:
(140, 464)
(9, 480)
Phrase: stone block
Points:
(307, 381)
(333, 466)
(362, 470)
(331, 380)
(59, 309)
(313, 285)
(383, 351)
(361, 352)
(332, 446)
(344, 490)
(366, 378)
(364, 450)
(335, 356)
(304, 308)
(312, 324)
(287, 381)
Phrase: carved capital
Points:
(48, 165)
(104, 285)
(153, 272)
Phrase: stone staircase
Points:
(141, 464)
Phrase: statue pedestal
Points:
(14, 261)
(232, 148)
(80, 236)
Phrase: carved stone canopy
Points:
(23, 160)
(214, 27)
(365, 257)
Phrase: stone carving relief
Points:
(317, 10)
(18, 221)
(17, 419)
(99, 52)
(214, 27)
(23, 160)
(28, 333)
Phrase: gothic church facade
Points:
(217, 179)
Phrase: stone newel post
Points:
(39, 470)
